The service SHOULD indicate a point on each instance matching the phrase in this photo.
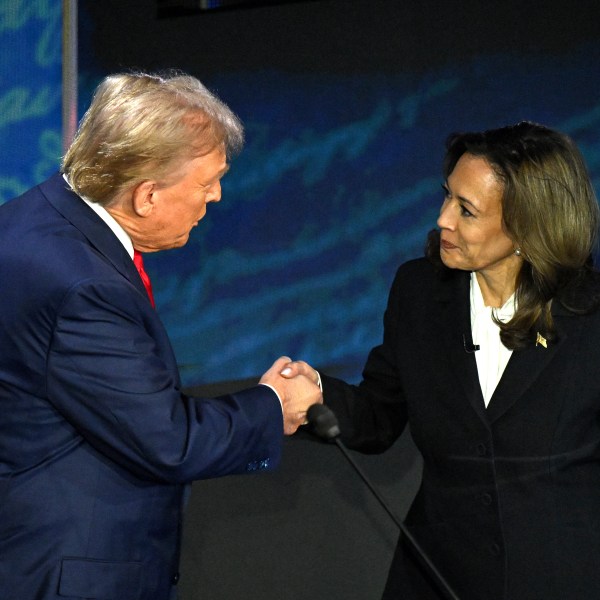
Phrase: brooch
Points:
(541, 340)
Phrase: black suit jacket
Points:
(509, 504)
(97, 441)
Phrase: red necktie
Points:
(138, 261)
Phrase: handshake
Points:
(297, 384)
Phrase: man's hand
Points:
(299, 367)
(297, 390)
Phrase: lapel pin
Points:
(541, 340)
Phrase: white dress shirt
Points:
(492, 356)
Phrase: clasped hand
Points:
(296, 382)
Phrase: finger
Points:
(291, 426)
(279, 364)
(299, 367)
(289, 370)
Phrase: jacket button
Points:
(481, 449)
(486, 499)
(495, 549)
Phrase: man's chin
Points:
(182, 241)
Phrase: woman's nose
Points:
(446, 220)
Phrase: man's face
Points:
(179, 206)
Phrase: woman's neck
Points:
(496, 287)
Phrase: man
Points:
(97, 441)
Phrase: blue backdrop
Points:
(30, 93)
(338, 184)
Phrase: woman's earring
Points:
(518, 251)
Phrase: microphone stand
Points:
(326, 426)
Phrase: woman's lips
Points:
(447, 245)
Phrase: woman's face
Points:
(472, 236)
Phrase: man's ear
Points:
(143, 198)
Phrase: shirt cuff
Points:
(319, 381)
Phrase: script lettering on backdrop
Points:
(30, 93)
(338, 184)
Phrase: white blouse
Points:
(492, 356)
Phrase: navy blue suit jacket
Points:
(97, 441)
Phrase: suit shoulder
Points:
(28, 207)
(421, 278)
(415, 273)
(416, 266)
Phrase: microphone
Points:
(326, 426)
(324, 422)
(468, 344)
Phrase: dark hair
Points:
(549, 210)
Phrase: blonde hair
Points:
(142, 126)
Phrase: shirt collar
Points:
(109, 220)
(504, 313)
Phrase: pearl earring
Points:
(518, 251)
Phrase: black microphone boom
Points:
(326, 426)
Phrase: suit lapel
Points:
(526, 365)
(97, 232)
(455, 323)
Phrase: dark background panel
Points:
(311, 529)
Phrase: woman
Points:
(490, 353)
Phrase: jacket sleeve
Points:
(372, 415)
(112, 375)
